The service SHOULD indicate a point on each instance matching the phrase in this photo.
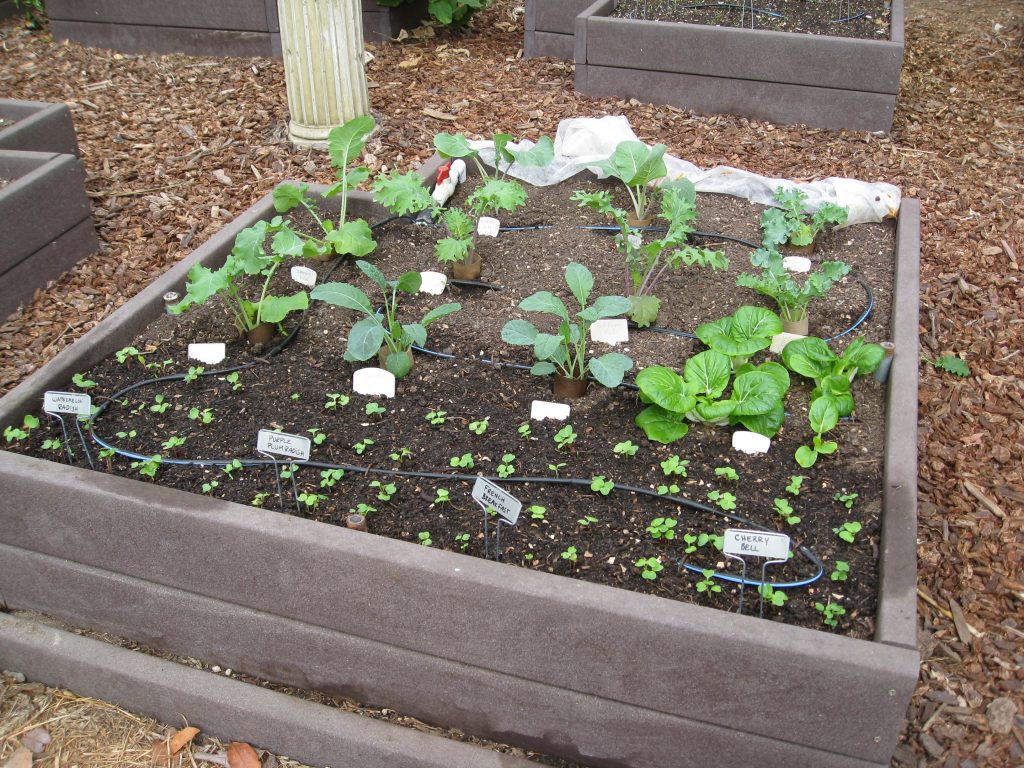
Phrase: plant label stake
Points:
(610, 330)
(740, 544)
(56, 403)
(433, 283)
(542, 409)
(374, 382)
(273, 444)
(492, 498)
(304, 276)
(488, 226)
(211, 354)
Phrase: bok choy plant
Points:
(741, 334)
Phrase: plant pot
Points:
(470, 270)
(798, 327)
(356, 522)
(562, 386)
(261, 334)
(802, 250)
(633, 221)
(385, 352)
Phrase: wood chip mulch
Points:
(175, 146)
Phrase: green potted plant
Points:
(564, 353)
(458, 248)
(636, 165)
(791, 296)
(793, 224)
(385, 336)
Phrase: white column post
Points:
(322, 47)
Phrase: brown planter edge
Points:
(588, 659)
(39, 127)
(822, 81)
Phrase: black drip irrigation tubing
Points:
(280, 346)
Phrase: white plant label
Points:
(433, 282)
(488, 226)
(610, 330)
(488, 495)
(635, 241)
(211, 354)
(774, 546)
(796, 264)
(283, 444)
(304, 276)
(67, 402)
(375, 382)
(542, 409)
(780, 340)
(750, 442)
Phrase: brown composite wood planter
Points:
(818, 80)
(200, 28)
(597, 675)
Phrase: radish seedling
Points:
(565, 437)
(506, 468)
(830, 613)
(649, 567)
(362, 445)
(479, 427)
(601, 485)
(673, 465)
(462, 540)
(846, 499)
(771, 595)
(785, 510)
(841, 572)
(375, 409)
(14, 434)
(465, 461)
(726, 473)
(625, 448)
(384, 490)
(81, 382)
(848, 531)
(437, 418)
(442, 496)
(707, 584)
(585, 521)
(725, 500)
(335, 399)
(662, 528)
(330, 477)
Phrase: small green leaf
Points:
(953, 364)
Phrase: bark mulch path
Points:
(175, 146)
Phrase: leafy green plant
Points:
(334, 400)
(52, 444)
(738, 336)
(793, 223)
(311, 500)
(346, 237)
(848, 531)
(785, 511)
(233, 379)
(231, 467)
(437, 418)
(130, 435)
(841, 571)
(833, 374)
(795, 481)
(664, 490)
(823, 416)
(28, 423)
(160, 404)
(951, 364)
(201, 415)
(635, 165)
(148, 467)
(586, 520)
(524, 430)
(384, 490)
(375, 409)
(330, 477)
(193, 374)
(451, 13)
(210, 486)
(288, 470)
(366, 337)
(404, 194)
(625, 448)
(674, 466)
(442, 496)
(462, 540)
(725, 500)
(602, 485)
(698, 395)
(565, 437)
(662, 528)
(647, 263)
(458, 246)
(506, 468)
(260, 498)
(479, 427)
(400, 455)
(846, 499)
(497, 193)
(693, 541)
(726, 473)
(570, 554)
(319, 436)
(649, 567)
(830, 613)
(81, 382)
(779, 284)
(361, 509)
(465, 461)
(536, 511)
(125, 354)
(555, 467)
(565, 352)
(361, 446)
(771, 595)
(708, 584)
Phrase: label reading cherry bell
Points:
(756, 544)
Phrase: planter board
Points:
(38, 127)
(598, 675)
(47, 222)
(818, 80)
(195, 27)
(7, 9)
(549, 27)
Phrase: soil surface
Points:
(864, 19)
(154, 130)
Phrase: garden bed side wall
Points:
(784, 77)
(600, 675)
(549, 27)
(198, 28)
(39, 126)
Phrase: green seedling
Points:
(830, 613)
(148, 468)
(231, 467)
(570, 554)
(771, 595)
(586, 520)
(375, 409)
(846, 499)
(52, 444)
(336, 399)
(649, 567)
(841, 572)
(14, 434)
(233, 380)
(707, 584)
(785, 510)
(565, 437)
(795, 481)
(536, 511)
(824, 416)
(479, 427)
(625, 448)
(131, 434)
(259, 499)
(384, 490)
(361, 509)
(524, 430)
(506, 468)
(601, 485)
(462, 540)
(81, 382)
(207, 487)
(160, 404)
(424, 538)
(847, 531)
(318, 435)
(555, 467)
(329, 477)
(662, 528)
(726, 473)
(193, 374)
(311, 500)
(161, 366)
(674, 466)
(951, 364)
(465, 461)
(172, 442)
(437, 418)
(443, 496)
(362, 445)
(288, 470)
(204, 416)
(693, 541)
(125, 354)
(458, 247)
(400, 455)
(636, 165)
(725, 500)
(528, 557)
(665, 490)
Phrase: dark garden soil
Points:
(291, 391)
(865, 19)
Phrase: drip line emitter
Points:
(78, 404)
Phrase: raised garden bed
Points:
(230, 28)
(550, 26)
(600, 675)
(785, 77)
(47, 222)
(37, 126)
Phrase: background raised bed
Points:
(37, 126)
(588, 672)
(224, 28)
